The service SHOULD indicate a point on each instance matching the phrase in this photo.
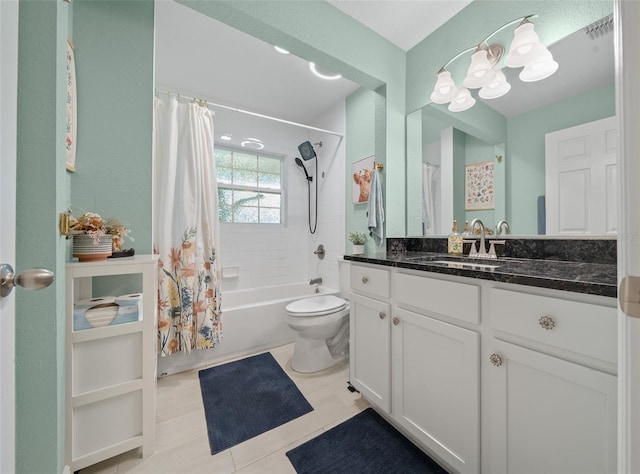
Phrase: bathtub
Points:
(252, 320)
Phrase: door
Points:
(8, 99)
(436, 386)
(369, 350)
(549, 415)
(581, 179)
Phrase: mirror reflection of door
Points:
(581, 179)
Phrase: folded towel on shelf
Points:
(375, 209)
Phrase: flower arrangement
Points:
(357, 238)
(90, 223)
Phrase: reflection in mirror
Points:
(509, 132)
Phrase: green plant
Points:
(357, 238)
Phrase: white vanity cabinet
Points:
(370, 341)
(110, 370)
(551, 412)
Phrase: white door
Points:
(581, 179)
(8, 96)
(436, 386)
(549, 415)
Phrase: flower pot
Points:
(89, 248)
(357, 248)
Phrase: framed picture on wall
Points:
(361, 179)
(72, 111)
(479, 186)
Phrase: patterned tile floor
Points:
(181, 433)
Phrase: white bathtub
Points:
(252, 320)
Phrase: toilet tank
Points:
(345, 279)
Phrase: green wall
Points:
(43, 190)
(525, 149)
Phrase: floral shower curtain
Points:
(185, 224)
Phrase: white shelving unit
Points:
(110, 370)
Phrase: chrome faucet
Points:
(503, 225)
(316, 281)
(482, 252)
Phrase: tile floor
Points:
(182, 445)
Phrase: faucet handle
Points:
(472, 252)
(492, 249)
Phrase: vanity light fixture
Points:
(526, 51)
(328, 77)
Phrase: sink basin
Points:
(468, 265)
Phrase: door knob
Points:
(34, 279)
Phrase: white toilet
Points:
(322, 331)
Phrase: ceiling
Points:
(200, 56)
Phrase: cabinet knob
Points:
(365, 280)
(546, 322)
(396, 320)
(381, 314)
(495, 359)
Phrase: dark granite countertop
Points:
(578, 277)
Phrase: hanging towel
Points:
(375, 210)
(428, 210)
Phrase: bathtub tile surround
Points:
(182, 437)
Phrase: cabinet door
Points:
(549, 415)
(436, 394)
(370, 358)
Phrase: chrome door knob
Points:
(34, 279)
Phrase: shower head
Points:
(301, 165)
(307, 151)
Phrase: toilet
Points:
(322, 332)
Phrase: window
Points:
(249, 187)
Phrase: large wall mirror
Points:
(506, 136)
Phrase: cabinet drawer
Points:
(449, 298)
(584, 328)
(374, 281)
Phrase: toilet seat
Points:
(316, 306)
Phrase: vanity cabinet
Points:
(487, 376)
(110, 370)
(551, 411)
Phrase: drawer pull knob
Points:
(495, 359)
(381, 314)
(546, 322)
(365, 280)
(396, 320)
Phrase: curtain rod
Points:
(248, 112)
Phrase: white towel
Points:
(375, 209)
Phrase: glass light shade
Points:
(544, 67)
(463, 101)
(525, 47)
(496, 88)
(480, 72)
(445, 89)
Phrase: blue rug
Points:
(248, 397)
(364, 444)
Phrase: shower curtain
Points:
(185, 227)
(428, 209)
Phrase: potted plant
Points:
(95, 238)
(358, 240)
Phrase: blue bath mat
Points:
(364, 444)
(248, 397)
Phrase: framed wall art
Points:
(72, 110)
(361, 179)
(479, 187)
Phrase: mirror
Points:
(503, 138)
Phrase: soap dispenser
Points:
(466, 230)
(455, 240)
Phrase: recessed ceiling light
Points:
(328, 77)
(281, 50)
(253, 139)
(225, 137)
(252, 144)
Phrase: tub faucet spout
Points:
(316, 281)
